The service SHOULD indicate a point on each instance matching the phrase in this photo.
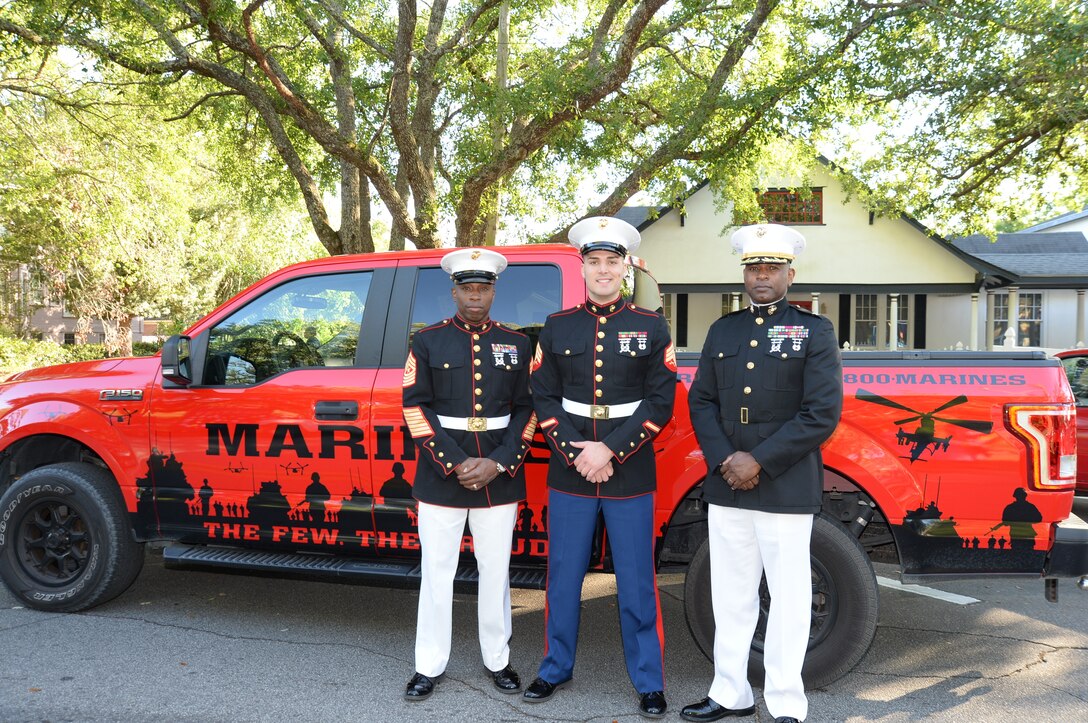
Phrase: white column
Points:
(1080, 340)
(893, 321)
(736, 301)
(816, 302)
(972, 340)
(1014, 317)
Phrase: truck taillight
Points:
(1050, 433)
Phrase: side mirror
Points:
(177, 364)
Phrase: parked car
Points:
(1075, 362)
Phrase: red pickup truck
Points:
(269, 438)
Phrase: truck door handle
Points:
(345, 411)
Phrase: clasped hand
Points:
(740, 471)
(476, 472)
(594, 462)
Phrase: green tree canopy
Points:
(123, 216)
(434, 109)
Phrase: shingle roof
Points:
(1060, 255)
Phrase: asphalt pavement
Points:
(186, 646)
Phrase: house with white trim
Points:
(864, 271)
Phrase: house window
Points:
(865, 321)
(69, 338)
(782, 205)
(903, 335)
(1029, 327)
(667, 306)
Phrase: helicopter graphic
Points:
(293, 468)
(235, 469)
(119, 416)
(924, 436)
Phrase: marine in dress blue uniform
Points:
(468, 408)
(603, 381)
(767, 394)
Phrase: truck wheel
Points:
(844, 606)
(65, 541)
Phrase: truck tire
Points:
(845, 602)
(65, 541)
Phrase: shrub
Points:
(17, 355)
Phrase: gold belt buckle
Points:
(598, 411)
(744, 415)
(477, 424)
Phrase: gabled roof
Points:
(1064, 218)
(1052, 260)
(642, 217)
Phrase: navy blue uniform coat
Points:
(769, 384)
(448, 362)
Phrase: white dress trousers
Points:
(744, 544)
(440, 534)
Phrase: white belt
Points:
(601, 411)
(474, 424)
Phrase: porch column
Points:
(1080, 340)
(1013, 339)
(893, 321)
(972, 340)
(736, 301)
(989, 329)
(816, 302)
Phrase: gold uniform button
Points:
(475, 347)
(476, 362)
(599, 363)
(754, 342)
(632, 444)
(449, 464)
(475, 337)
(567, 351)
(479, 407)
(600, 334)
(632, 354)
(562, 444)
(599, 348)
(599, 378)
(621, 454)
(479, 391)
(751, 365)
(759, 320)
(478, 376)
(643, 435)
(603, 320)
(441, 454)
(785, 355)
(445, 366)
(508, 367)
(720, 355)
(570, 454)
(599, 393)
(555, 434)
(431, 443)
(747, 390)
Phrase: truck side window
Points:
(524, 296)
(307, 322)
(1076, 368)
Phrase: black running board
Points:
(379, 573)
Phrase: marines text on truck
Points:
(270, 439)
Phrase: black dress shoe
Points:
(785, 719)
(506, 680)
(420, 687)
(707, 710)
(540, 690)
(652, 705)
